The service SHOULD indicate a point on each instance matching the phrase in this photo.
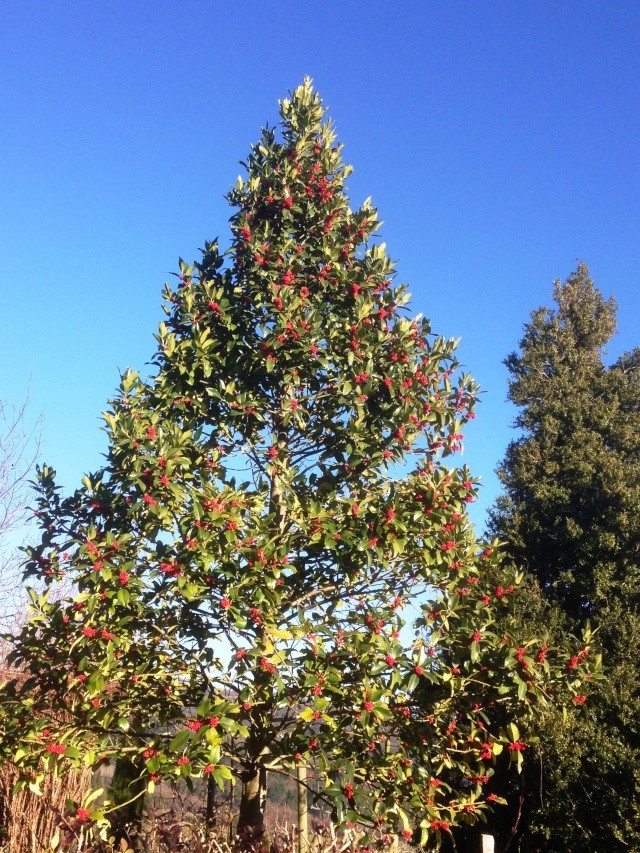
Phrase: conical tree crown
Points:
(563, 347)
(568, 478)
(303, 332)
(290, 363)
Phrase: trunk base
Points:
(252, 804)
(126, 784)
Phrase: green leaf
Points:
(179, 740)
(513, 732)
(222, 774)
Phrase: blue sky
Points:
(500, 142)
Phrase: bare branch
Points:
(19, 449)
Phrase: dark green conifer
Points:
(570, 513)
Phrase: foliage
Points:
(570, 515)
(273, 512)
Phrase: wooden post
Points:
(232, 788)
(488, 845)
(303, 824)
(211, 803)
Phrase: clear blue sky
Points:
(500, 142)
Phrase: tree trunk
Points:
(127, 789)
(211, 803)
(254, 798)
(254, 778)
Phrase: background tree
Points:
(569, 514)
(19, 446)
(272, 502)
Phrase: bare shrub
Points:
(19, 447)
(29, 821)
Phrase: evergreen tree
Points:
(569, 514)
(274, 501)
